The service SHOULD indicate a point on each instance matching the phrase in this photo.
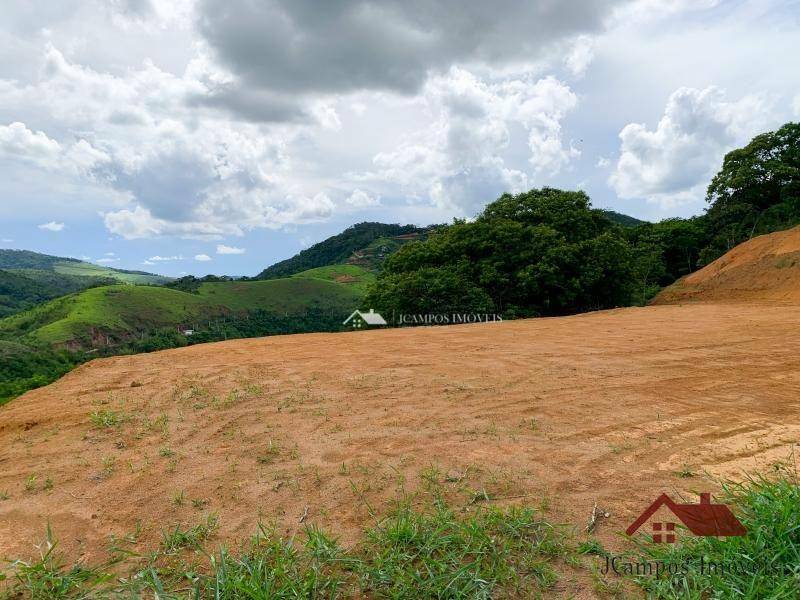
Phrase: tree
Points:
(543, 252)
(756, 191)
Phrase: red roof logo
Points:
(704, 519)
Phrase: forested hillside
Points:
(337, 249)
(23, 289)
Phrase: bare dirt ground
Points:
(765, 268)
(607, 407)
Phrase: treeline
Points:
(547, 252)
(23, 367)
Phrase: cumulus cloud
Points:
(202, 257)
(154, 259)
(106, 261)
(223, 249)
(17, 142)
(580, 55)
(458, 161)
(362, 199)
(52, 226)
(673, 162)
(186, 172)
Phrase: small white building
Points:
(363, 320)
(188, 332)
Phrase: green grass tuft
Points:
(436, 553)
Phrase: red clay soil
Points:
(766, 268)
(612, 408)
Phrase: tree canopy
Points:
(756, 191)
(543, 252)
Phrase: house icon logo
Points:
(363, 320)
(704, 519)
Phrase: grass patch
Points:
(437, 554)
(107, 419)
(411, 553)
(192, 537)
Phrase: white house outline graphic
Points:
(368, 319)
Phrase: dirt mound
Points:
(608, 407)
(766, 268)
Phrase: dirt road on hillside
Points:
(605, 407)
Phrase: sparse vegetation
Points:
(433, 553)
(107, 419)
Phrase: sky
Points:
(220, 136)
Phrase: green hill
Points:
(33, 263)
(20, 290)
(44, 342)
(340, 248)
(115, 314)
(621, 219)
(29, 278)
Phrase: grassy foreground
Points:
(409, 554)
(435, 553)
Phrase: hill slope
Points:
(338, 249)
(23, 289)
(765, 268)
(34, 262)
(116, 313)
(622, 219)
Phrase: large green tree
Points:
(756, 191)
(543, 252)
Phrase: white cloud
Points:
(17, 142)
(223, 249)
(202, 257)
(362, 199)
(157, 258)
(140, 223)
(458, 160)
(52, 226)
(186, 170)
(674, 162)
(603, 162)
(580, 55)
(106, 261)
(110, 254)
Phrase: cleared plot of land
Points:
(612, 407)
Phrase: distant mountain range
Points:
(30, 278)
